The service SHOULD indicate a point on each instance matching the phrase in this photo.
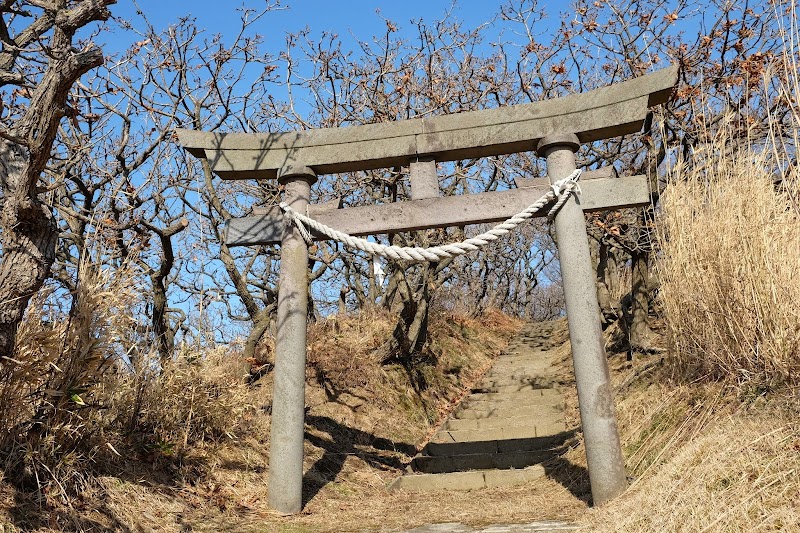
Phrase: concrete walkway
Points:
(505, 429)
(546, 526)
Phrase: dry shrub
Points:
(493, 321)
(48, 397)
(350, 352)
(349, 359)
(344, 350)
(168, 406)
(83, 393)
(730, 267)
(461, 343)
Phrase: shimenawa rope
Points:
(560, 191)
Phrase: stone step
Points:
(495, 440)
(437, 464)
(536, 343)
(534, 363)
(519, 388)
(512, 376)
(540, 526)
(522, 348)
(505, 412)
(524, 353)
(508, 408)
(536, 360)
(504, 433)
(473, 480)
(521, 374)
(524, 382)
(524, 394)
(518, 372)
(529, 369)
(445, 449)
(523, 357)
(512, 420)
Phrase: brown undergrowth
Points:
(183, 444)
(700, 455)
(708, 425)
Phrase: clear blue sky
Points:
(343, 17)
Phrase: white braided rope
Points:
(561, 191)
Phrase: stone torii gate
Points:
(555, 129)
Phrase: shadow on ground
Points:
(574, 478)
(28, 511)
(377, 452)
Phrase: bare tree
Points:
(41, 62)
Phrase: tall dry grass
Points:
(48, 411)
(730, 262)
(167, 408)
(701, 458)
(86, 391)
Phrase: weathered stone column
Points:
(595, 393)
(288, 401)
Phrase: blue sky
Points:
(356, 16)
(359, 18)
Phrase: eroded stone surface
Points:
(546, 526)
(510, 424)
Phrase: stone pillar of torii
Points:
(554, 129)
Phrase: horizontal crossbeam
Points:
(611, 111)
(596, 195)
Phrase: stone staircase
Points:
(507, 426)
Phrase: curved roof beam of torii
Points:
(611, 111)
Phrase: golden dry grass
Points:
(47, 422)
(713, 441)
(199, 453)
(702, 461)
(181, 402)
(730, 267)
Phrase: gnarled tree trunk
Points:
(28, 242)
(29, 233)
(641, 336)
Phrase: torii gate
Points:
(554, 128)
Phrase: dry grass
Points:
(702, 461)
(713, 441)
(345, 361)
(171, 405)
(193, 441)
(717, 449)
(49, 421)
(86, 396)
(730, 266)
(700, 458)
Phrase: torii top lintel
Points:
(611, 111)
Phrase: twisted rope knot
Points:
(559, 191)
(562, 189)
(293, 217)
